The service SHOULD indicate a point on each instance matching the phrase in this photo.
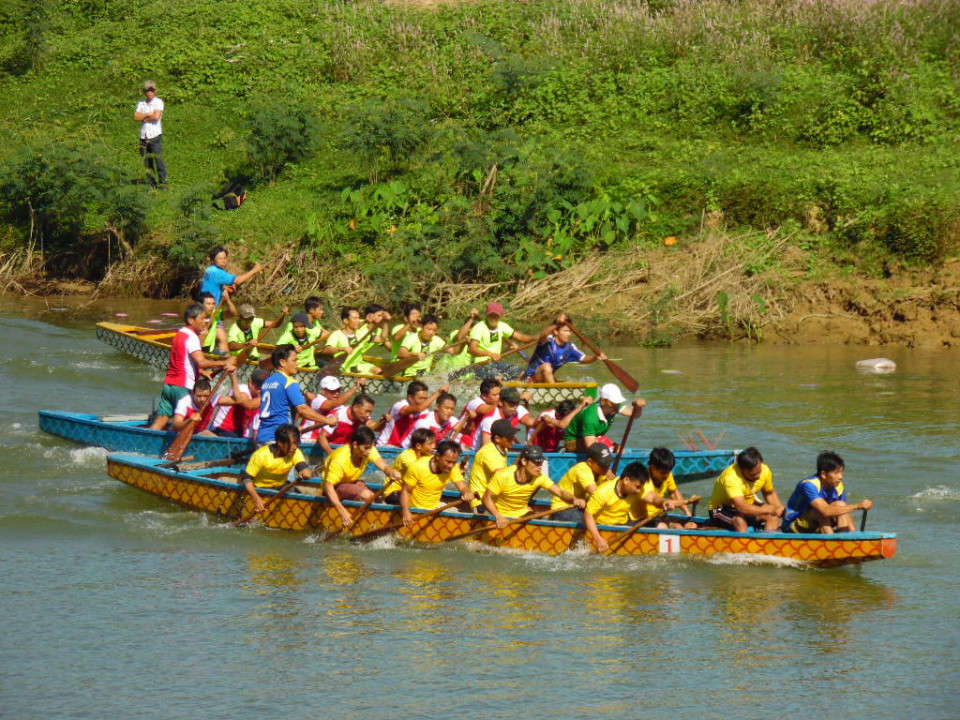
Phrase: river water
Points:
(116, 603)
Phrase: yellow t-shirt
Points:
(731, 484)
(268, 470)
(426, 485)
(486, 462)
(608, 508)
(510, 497)
(576, 480)
(404, 460)
(668, 487)
(339, 468)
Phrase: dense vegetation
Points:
(482, 141)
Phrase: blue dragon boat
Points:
(130, 434)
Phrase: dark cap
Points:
(301, 317)
(510, 395)
(258, 376)
(534, 453)
(600, 454)
(503, 428)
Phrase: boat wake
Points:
(82, 457)
(752, 559)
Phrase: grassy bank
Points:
(408, 150)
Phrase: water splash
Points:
(938, 492)
(752, 559)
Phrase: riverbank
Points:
(753, 287)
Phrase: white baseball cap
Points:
(611, 392)
(330, 382)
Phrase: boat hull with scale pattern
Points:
(130, 434)
(217, 491)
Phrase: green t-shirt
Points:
(306, 359)
(454, 362)
(210, 339)
(237, 335)
(491, 340)
(589, 421)
(414, 344)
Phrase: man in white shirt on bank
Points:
(148, 114)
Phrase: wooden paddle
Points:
(623, 442)
(398, 366)
(266, 509)
(618, 372)
(180, 443)
(640, 523)
(397, 525)
(513, 521)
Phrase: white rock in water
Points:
(877, 365)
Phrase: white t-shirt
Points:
(149, 129)
(429, 420)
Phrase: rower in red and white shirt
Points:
(477, 410)
(236, 411)
(441, 421)
(186, 362)
(550, 425)
(188, 409)
(349, 418)
(405, 413)
(509, 409)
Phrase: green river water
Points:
(118, 604)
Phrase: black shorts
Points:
(724, 515)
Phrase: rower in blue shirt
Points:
(819, 503)
(216, 277)
(281, 398)
(554, 350)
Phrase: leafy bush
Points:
(277, 135)
(66, 199)
(386, 133)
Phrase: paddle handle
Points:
(863, 520)
(623, 442)
(360, 512)
(618, 372)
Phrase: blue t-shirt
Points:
(279, 396)
(214, 278)
(557, 356)
(804, 495)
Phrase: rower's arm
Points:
(750, 509)
(477, 351)
(330, 490)
(405, 504)
(681, 502)
(591, 522)
(522, 337)
(636, 406)
(390, 472)
(231, 309)
(205, 363)
(465, 329)
(308, 413)
(465, 492)
(838, 508)
(567, 496)
(563, 422)
(657, 500)
(243, 277)
(771, 498)
(252, 492)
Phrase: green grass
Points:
(611, 124)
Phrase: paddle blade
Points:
(395, 368)
(623, 376)
(179, 445)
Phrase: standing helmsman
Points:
(148, 113)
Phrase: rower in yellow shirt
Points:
(582, 480)
(424, 481)
(423, 443)
(617, 502)
(489, 459)
(734, 504)
(345, 466)
(510, 490)
(660, 464)
(270, 465)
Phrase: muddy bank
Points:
(751, 288)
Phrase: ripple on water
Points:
(78, 456)
(938, 492)
(751, 559)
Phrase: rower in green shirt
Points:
(592, 423)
